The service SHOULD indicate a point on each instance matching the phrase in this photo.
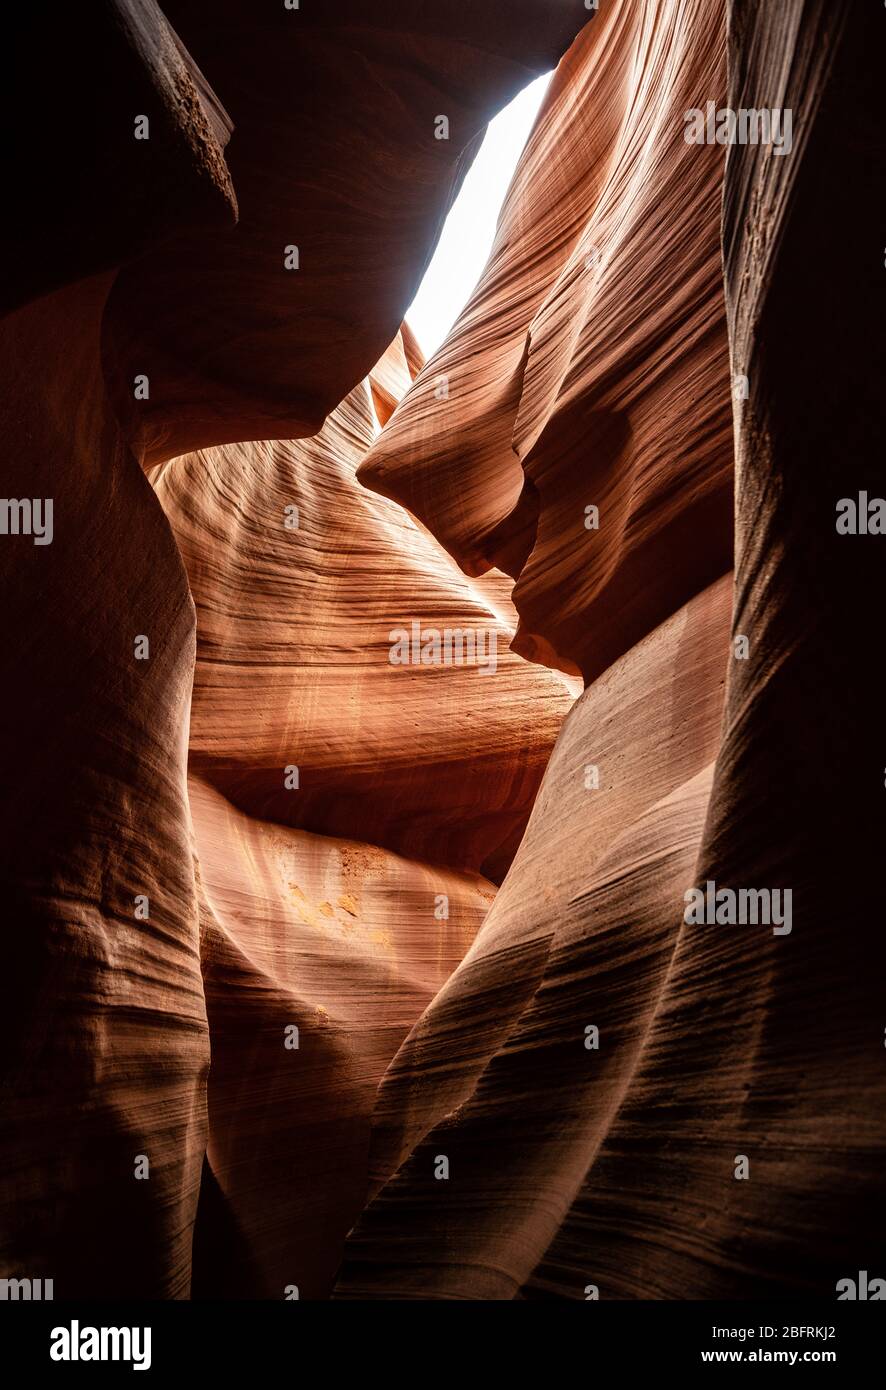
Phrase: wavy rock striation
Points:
(339, 964)
(296, 626)
(106, 1045)
(338, 940)
(654, 1107)
(496, 1076)
(344, 938)
(590, 369)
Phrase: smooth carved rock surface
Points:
(470, 906)
(106, 1043)
(295, 631)
(339, 939)
(611, 1172)
(590, 366)
(798, 793)
(347, 940)
(584, 931)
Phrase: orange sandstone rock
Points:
(590, 367)
(296, 628)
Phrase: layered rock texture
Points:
(346, 814)
(371, 720)
(653, 1108)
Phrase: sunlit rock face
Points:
(318, 954)
(584, 933)
(305, 584)
(645, 1104)
(575, 429)
(154, 327)
(343, 810)
(373, 722)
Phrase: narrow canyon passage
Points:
(443, 798)
(338, 892)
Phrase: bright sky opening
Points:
(469, 230)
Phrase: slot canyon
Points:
(372, 716)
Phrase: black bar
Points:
(291, 1337)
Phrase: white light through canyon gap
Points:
(469, 230)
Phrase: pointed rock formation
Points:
(575, 429)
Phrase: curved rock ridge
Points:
(301, 578)
(657, 1106)
(773, 1049)
(344, 175)
(798, 793)
(589, 368)
(394, 373)
(296, 630)
(106, 1044)
(495, 1076)
(349, 955)
(345, 944)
